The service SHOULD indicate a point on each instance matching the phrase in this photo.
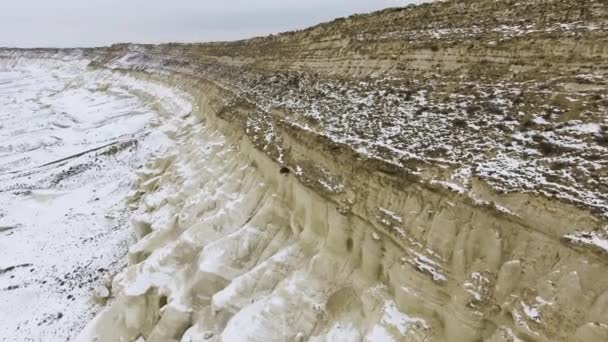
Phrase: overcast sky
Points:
(60, 23)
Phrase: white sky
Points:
(61, 23)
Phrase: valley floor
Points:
(70, 139)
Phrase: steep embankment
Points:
(235, 248)
(429, 173)
(271, 232)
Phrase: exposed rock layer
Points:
(510, 93)
(254, 243)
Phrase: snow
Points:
(394, 317)
(596, 239)
(501, 33)
(391, 214)
(343, 332)
(393, 323)
(426, 265)
(504, 210)
(477, 286)
(379, 334)
(583, 128)
(101, 292)
(451, 186)
(531, 311)
(69, 141)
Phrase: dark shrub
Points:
(459, 122)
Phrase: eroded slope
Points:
(331, 244)
(428, 173)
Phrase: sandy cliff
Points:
(429, 173)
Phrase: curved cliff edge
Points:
(304, 239)
(379, 177)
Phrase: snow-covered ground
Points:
(70, 138)
(216, 239)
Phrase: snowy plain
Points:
(70, 139)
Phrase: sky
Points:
(79, 23)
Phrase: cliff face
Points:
(337, 247)
(428, 173)
(508, 92)
(509, 36)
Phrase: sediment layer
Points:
(325, 244)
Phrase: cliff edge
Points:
(435, 172)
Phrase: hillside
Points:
(516, 99)
(435, 172)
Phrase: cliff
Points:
(435, 172)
